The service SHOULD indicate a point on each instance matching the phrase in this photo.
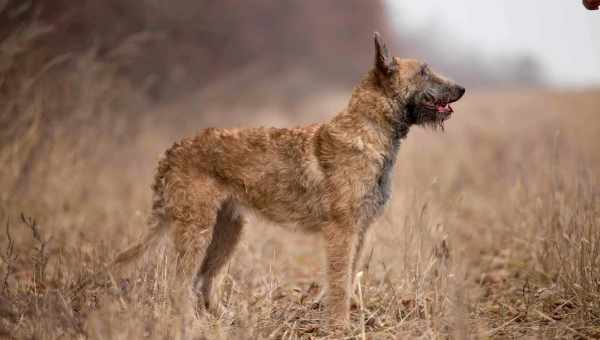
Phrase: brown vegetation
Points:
(492, 231)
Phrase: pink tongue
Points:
(444, 108)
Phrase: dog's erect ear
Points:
(383, 61)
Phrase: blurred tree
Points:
(177, 46)
(294, 48)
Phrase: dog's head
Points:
(425, 94)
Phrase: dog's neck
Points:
(377, 117)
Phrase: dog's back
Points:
(272, 171)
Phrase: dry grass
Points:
(493, 231)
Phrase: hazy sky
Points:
(561, 34)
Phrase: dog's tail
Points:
(126, 256)
(158, 228)
(157, 223)
(138, 249)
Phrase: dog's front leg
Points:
(339, 243)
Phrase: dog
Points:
(332, 178)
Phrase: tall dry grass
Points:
(492, 231)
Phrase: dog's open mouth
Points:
(444, 108)
(440, 107)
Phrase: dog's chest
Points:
(380, 193)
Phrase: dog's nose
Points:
(461, 91)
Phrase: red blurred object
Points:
(591, 4)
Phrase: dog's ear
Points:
(384, 64)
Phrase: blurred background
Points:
(92, 92)
(169, 50)
(554, 43)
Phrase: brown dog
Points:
(332, 178)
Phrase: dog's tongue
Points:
(444, 108)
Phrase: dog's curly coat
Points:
(332, 178)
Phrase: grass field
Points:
(493, 230)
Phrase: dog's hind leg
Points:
(225, 236)
(191, 205)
